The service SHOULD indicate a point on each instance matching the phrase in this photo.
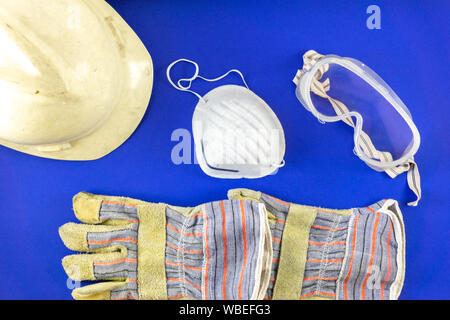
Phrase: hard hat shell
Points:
(75, 80)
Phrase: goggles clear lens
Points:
(382, 122)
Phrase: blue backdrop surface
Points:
(266, 41)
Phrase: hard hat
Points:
(75, 80)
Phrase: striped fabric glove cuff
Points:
(333, 254)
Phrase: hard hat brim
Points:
(127, 114)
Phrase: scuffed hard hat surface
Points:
(59, 71)
(67, 68)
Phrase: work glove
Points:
(142, 250)
(322, 253)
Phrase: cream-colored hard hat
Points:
(75, 80)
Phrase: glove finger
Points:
(98, 291)
(88, 238)
(95, 209)
(114, 265)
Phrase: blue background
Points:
(265, 40)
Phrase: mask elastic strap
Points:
(179, 85)
(364, 142)
(280, 165)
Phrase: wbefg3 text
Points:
(228, 309)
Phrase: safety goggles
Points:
(385, 136)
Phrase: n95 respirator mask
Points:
(236, 134)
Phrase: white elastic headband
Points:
(179, 85)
